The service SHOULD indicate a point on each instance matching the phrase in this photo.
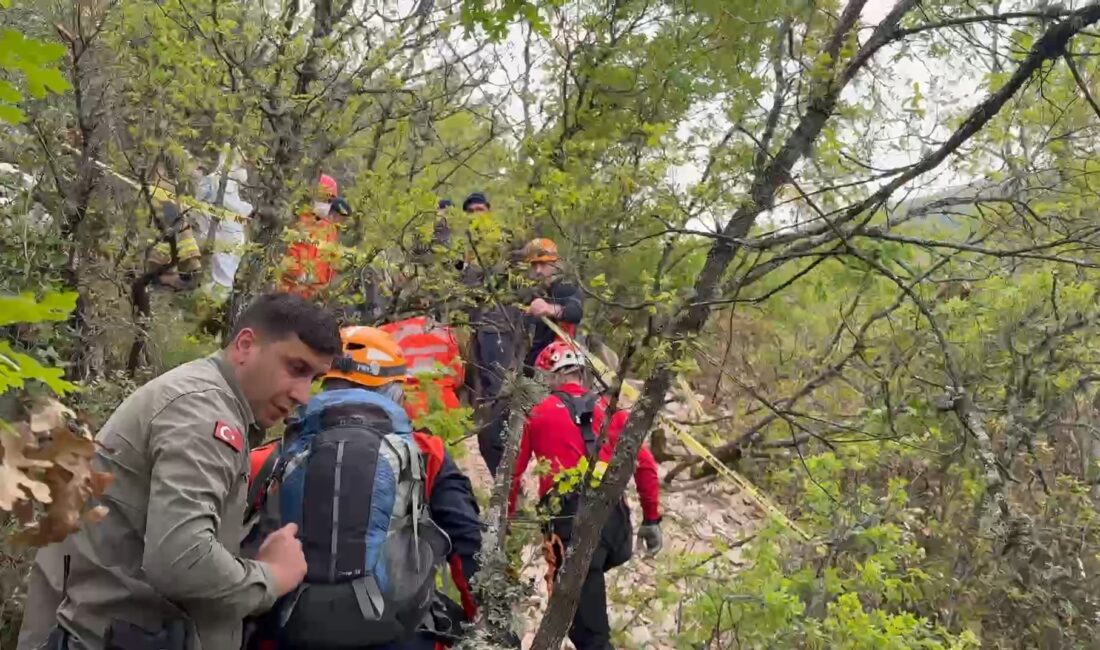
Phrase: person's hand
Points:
(282, 553)
(540, 308)
(649, 534)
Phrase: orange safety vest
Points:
(427, 346)
(308, 267)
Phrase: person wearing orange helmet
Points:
(372, 363)
(559, 300)
(496, 350)
(561, 430)
(309, 265)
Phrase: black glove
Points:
(649, 534)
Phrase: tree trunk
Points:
(496, 587)
(767, 180)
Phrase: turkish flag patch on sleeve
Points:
(228, 435)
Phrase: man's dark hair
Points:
(278, 315)
(474, 199)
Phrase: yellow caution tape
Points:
(691, 442)
(161, 194)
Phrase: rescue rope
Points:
(552, 549)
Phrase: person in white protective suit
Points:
(229, 235)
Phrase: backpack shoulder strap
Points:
(432, 449)
(262, 461)
(581, 409)
(328, 399)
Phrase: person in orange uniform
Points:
(308, 266)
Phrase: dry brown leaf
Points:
(49, 415)
(63, 513)
(24, 511)
(62, 471)
(69, 451)
(15, 481)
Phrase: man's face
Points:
(543, 270)
(474, 208)
(275, 375)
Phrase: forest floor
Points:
(644, 613)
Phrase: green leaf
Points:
(54, 306)
(9, 93)
(16, 368)
(11, 114)
(43, 80)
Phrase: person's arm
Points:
(192, 474)
(569, 300)
(646, 479)
(454, 509)
(522, 461)
(648, 484)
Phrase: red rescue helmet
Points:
(327, 188)
(559, 356)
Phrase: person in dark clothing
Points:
(441, 235)
(496, 324)
(454, 509)
(476, 202)
(441, 231)
(495, 354)
(561, 301)
(561, 430)
(431, 268)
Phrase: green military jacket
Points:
(168, 548)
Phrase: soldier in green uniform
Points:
(163, 570)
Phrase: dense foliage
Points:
(865, 231)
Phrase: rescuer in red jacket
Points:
(562, 429)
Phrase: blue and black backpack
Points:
(353, 479)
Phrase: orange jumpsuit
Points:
(310, 260)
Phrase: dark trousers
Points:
(591, 629)
(490, 435)
(418, 642)
(495, 355)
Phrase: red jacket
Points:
(550, 433)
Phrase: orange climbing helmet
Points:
(327, 187)
(540, 250)
(371, 358)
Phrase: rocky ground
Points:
(645, 614)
